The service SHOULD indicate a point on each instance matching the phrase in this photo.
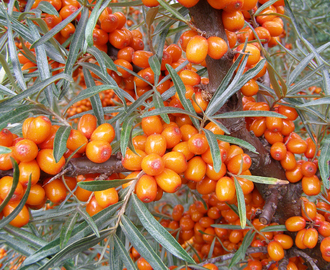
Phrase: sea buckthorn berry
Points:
(52, 20)
(233, 21)
(186, 223)
(5, 161)
(289, 112)
(109, 23)
(168, 180)
(106, 197)
(100, 37)
(140, 58)
(234, 165)
(21, 219)
(49, 142)
(212, 174)
(278, 151)
(210, 266)
(264, 17)
(77, 139)
(214, 128)
(275, 251)
(87, 124)
(182, 147)
(311, 148)
(225, 189)
(245, 33)
(235, 236)
(207, 156)
(6, 183)
(26, 169)
(67, 10)
(126, 54)
(142, 264)
(325, 247)
(25, 150)
(274, 124)
(310, 210)
(150, 3)
(155, 143)
(297, 146)
(254, 52)
(177, 212)
(119, 39)
(217, 47)
(55, 190)
(295, 223)
(152, 125)
(131, 161)
(175, 161)
(263, 34)
(288, 127)
(324, 229)
(285, 240)
(83, 194)
(299, 241)
(188, 3)
(121, 62)
(294, 175)
(152, 164)
(250, 89)
(232, 38)
(104, 132)
(47, 163)
(206, 186)
(233, 151)
(6, 138)
(246, 185)
(308, 168)
(92, 207)
(188, 131)
(172, 135)
(209, 235)
(310, 238)
(198, 144)
(146, 188)
(189, 77)
(196, 169)
(311, 185)
(258, 126)
(98, 151)
(289, 162)
(175, 52)
(36, 195)
(257, 198)
(121, 19)
(197, 49)
(185, 38)
(139, 142)
(274, 28)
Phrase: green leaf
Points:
(125, 134)
(274, 228)
(238, 114)
(4, 150)
(137, 103)
(98, 185)
(99, 56)
(89, 92)
(92, 22)
(129, 264)
(48, 8)
(240, 253)
(229, 227)
(241, 203)
(61, 137)
(10, 76)
(265, 180)
(101, 219)
(215, 150)
(158, 232)
(89, 220)
(181, 90)
(67, 229)
(237, 141)
(169, 110)
(264, 6)
(141, 244)
(320, 101)
(171, 10)
(52, 32)
(20, 206)
(159, 104)
(95, 100)
(17, 245)
(155, 66)
(324, 160)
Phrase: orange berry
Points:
(109, 23)
(289, 162)
(197, 49)
(175, 161)
(131, 161)
(196, 169)
(217, 47)
(152, 164)
(289, 112)
(92, 207)
(155, 143)
(225, 189)
(254, 53)
(46, 162)
(98, 151)
(146, 188)
(142, 264)
(185, 38)
(26, 169)
(77, 139)
(106, 197)
(232, 38)
(87, 124)
(168, 180)
(285, 240)
(22, 217)
(25, 150)
(310, 238)
(152, 125)
(311, 185)
(6, 184)
(172, 135)
(275, 251)
(295, 223)
(36, 195)
(235, 163)
(299, 241)
(55, 191)
(233, 21)
(188, 3)
(6, 138)
(198, 144)
(104, 132)
(297, 146)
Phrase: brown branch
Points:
(307, 258)
(270, 207)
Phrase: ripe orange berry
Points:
(119, 39)
(250, 89)
(77, 139)
(324, 228)
(311, 148)
(232, 38)
(104, 132)
(25, 150)
(297, 146)
(146, 188)
(98, 151)
(217, 47)
(121, 19)
(254, 53)
(294, 175)
(92, 207)
(152, 125)
(142, 264)
(289, 162)
(6, 183)
(188, 3)
(168, 180)
(289, 112)
(6, 138)
(225, 189)
(189, 78)
(109, 23)
(233, 21)
(274, 124)
(55, 190)
(212, 174)
(131, 161)
(140, 58)
(21, 219)
(87, 124)
(150, 3)
(310, 238)
(37, 129)
(185, 38)
(106, 197)
(264, 17)
(175, 161)
(198, 144)
(175, 52)
(197, 49)
(196, 169)
(325, 247)
(310, 209)
(46, 162)
(152, 164)
(155, 143)
(172, 135)
(26, 169)
(275, 251)
(285, 240)
(278, 151)
(235, 163)
(311, 185)
(299, 241)
(295, 223)
(36, 195)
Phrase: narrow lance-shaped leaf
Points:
(137, 103)
(240, 253)
(173, 11)
(99, 185)
(237, 141)
(158, 102)
(61, 137)
(324, 160)
(48, 8)
(168, 110)
(181, 90)
(158, 232)
(155, 66)
(265, 180)
(215, 150)
(89, 220)
(67, 229)
(239, 114)
(141, 244)
(129, 264)
(126, 132)
(92, 22)
(241, 203)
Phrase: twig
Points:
(307, 258)
(270, 207)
